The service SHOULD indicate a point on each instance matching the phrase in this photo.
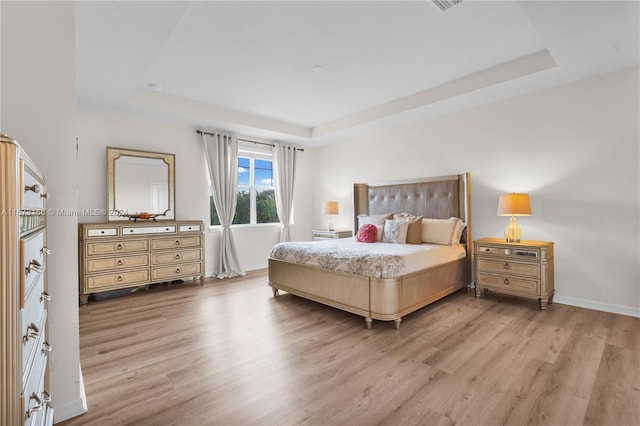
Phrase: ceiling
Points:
(252, 67)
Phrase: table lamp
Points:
(330, 208)
(513, 205)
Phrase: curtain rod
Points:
(201, 132)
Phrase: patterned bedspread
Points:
(343, 255)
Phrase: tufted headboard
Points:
(439, 197)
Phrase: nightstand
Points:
(522, 269)
(323, 234)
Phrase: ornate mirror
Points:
(140, 185)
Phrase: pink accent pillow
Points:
(367, 233)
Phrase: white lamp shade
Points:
(514, 204)
(330, 207)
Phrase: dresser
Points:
(119, 255)
(24, 398)
(323, 234)
(522, 269)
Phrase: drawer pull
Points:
(33, 188)
(44, 195)
(34, 265)
(177, 242)
(119, 278)
(31, 334)
(506, 266)
(36, 407)
(45, 250)
(506, 281)
(119, 246)
(177, 256)
(46, 396)
(46, 347)
(119, 262)
(177, 270)
(44, 296)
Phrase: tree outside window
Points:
(256, 195)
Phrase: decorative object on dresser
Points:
(323, 234)
(522, 269)
(24, 398)
(122, 255)
(330, 208)
(513, 205)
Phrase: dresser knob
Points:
(506, 266)
(119, 278)
(506, 281)
(177, 270)
(33, 188)
(31, 334)
(119, 246)
(177, 242)
(119, 262)
(177, 256)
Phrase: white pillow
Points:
(395, 231)
(441, 231)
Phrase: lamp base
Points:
(512, 233)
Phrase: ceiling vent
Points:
(445, 5)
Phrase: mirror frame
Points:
(112, 155)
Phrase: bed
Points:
(380, 297)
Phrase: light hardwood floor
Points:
(229, 353)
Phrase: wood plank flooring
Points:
(228, 353)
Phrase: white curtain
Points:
(221, 152)
(284, 165)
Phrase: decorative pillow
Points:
(414, 232)
(368, 233)
(441, 231)
(377, 220)
(395, 231)
(458, 231)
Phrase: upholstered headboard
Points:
(439, 197)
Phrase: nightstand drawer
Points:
(516, 268)
(508, 283)
(509, 252)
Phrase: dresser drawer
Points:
(32, 261)
(32, 337)
(171, 272)
(117, 246)
(190, 228)
(101, 264)
(132, 230)
(117, 280)
(503, 282)
(506, 266)
(102, 232)
(176, 256)
(176, 242)
(32, 195)
(35, 396)
(509, 252)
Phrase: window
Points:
(256, 195)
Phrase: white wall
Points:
(573, 148)
(98, 129)
(38, 109)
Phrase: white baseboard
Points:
(209, 274)
(598, 306)
(72, 408)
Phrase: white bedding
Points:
(378, 260)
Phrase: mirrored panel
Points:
(140, 185)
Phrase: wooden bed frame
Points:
(389, 298)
